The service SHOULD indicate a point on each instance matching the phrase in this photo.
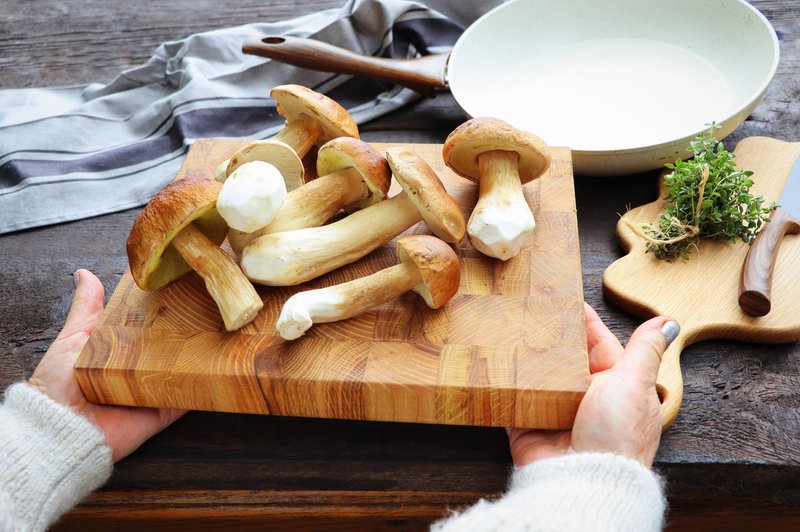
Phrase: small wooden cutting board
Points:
(508, 350)
(702, 293)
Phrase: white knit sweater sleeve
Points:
(50, 459)
(585, 491)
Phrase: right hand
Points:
(621, 412)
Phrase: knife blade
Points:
(756, 281)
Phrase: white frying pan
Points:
(624, 83)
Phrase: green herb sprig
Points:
(707, 198)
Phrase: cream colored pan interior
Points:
(624, 83)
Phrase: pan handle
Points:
(422, 74)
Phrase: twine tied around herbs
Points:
(687, 230)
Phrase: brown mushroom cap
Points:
(153, 262)
(347, 152)
(426, 191)
(481, 135)
(295, 100)
(438, 264)
(278, 154)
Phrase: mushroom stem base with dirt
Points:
(501, 220)
(235, 296)
(311, 205)
(294, 257)
(346, 300)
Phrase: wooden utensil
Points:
(756, 285)
(701, 293)
(509, 349)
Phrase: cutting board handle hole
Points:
(662, 393)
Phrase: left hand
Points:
(125, 428)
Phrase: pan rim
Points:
(743, 103)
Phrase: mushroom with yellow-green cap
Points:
(353, 175)
(501, 159)
(180, 230)
(427, 265)
(292, 257)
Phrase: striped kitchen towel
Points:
(76, 152)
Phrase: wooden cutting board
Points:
(509, 349)
(702, 292)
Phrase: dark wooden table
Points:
(731, 460)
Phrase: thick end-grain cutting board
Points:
(509, 349)
(702, 293)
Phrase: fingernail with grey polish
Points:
(76, 279)
(670, 330)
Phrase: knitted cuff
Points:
(50, 458)
(586, 491)
(621, 492)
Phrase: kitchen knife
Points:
(756, 280)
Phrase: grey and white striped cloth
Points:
(76, 152)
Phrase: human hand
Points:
(621, 412)
(125, 428)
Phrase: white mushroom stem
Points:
(311, 205)
(252, 196)
(293, 257)
(346, 300)
(300, 134)
(235, 296)
(502, 220)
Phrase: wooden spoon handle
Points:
(756, 281)
(421, 74)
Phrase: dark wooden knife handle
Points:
(421, 74)
(756, 283)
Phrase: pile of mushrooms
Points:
(293, 257)
(352, 174)
(182, 227)
(286, 231)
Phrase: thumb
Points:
(641, 358)
(87, 305)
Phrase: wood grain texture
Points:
(702, 293)
(508, 350)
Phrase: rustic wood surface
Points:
(731, 459)
(707, 306)
(526, 366)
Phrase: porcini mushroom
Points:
(501, 158)
(427, 265)
(179, 231)
(293, 257)
(278, 154)
(251, 196)
(353, 175)
(311, 118)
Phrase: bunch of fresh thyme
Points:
(707, 198)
